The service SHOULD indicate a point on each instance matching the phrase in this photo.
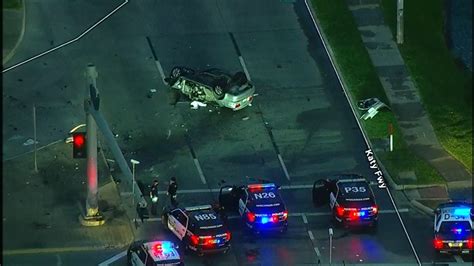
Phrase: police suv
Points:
(199, 228)
(453, 226)
(350, 198)
(259, 205)
(146, 253)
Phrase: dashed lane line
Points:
(311, 236)
(316, 249)
(305, 220)
(284, 167)
(242, 62)
(201, 174)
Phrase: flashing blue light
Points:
(462, 212)
(165, 246)
(362, 214)
(265, 220)
(456, 230)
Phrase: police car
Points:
(199, 228)
(350, 198)
(143, 252)
(453, 226)
(259, 205)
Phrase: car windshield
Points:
(211, 230)
(455, 227)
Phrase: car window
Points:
(181, 218)
(450, 227)
(142, 254)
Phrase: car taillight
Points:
(375, 209)
(274, 218)
(194, 240)
(470, 243)
(237, 106)
(438, 243)
(339, 211)
(250, 98)
(251, 217)
(227, 236)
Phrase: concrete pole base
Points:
(95, 220)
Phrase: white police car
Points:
(151, 253)
(199, 228)
(453, 226)
(260, 206)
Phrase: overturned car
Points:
(213, 86)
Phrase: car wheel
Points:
(218, 92)
(176, 72)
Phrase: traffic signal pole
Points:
(92, 216)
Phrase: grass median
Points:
(12, 4)
(434, 69)
(362, 81)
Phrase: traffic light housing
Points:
(79, 145)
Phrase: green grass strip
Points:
(361, 78)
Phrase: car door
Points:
(243, 202)
(320, 192)
(181, 224)
(139, 257)
(333, 191)
(173, 222)
(229, 197)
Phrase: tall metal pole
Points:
(400, 21)
(34, 133)
(133, 184)
(330, 245)
(92, 218)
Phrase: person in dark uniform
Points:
(154, 196)
(172, 189)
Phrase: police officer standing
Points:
(154, 196)
(172, 189)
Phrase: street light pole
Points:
(134, 162)
(400, 21)
(330, 245)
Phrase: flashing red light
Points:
(251, 217)
(470, 243)
(227, 236)
(438, 243)
(375, 209)
(274, 218)
(194, 240)
(158, 247)
(208, 241)
(339, 211)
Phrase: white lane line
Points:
(242, 62)
(284, 167)
(201, 174)
(311, 236)
(295, 214)
(317, 251)
(360, 127)
(458, 259)
(59, 262)
(114, 258)
(305, 220)
(68, 42)
(160, 69)
(191, 191)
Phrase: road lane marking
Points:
(360, 127)
(311, 236)
(458, 259)
(305, 220)
(284, 167)
(58, 260)
(316, 249)
(114, 258)
(285, 187)
(160, 69)
(201, 174)
(295, 214)
(68, 42)
(242, 62)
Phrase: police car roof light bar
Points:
(260, 186)
(198, 208)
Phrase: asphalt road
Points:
(300, 121)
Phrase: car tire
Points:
(218, 92)
(176, 72)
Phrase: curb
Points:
(61, 249)
(421, 207)
(22, 32)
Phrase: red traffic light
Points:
(79, 139)
(79, 145)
